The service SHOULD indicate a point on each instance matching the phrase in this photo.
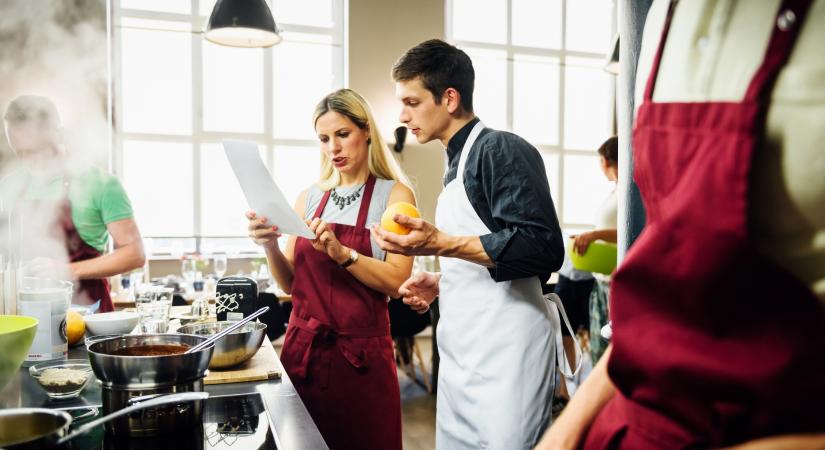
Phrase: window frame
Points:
(199, 136)
(558, 150)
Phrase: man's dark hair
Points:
(29, 108)
(440, 66)
(610, 151)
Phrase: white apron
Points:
(496, 342)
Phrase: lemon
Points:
(75, 327)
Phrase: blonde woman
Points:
(338, 350)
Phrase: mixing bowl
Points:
(16, 336)
(233, 349)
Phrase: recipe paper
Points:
(260, 189)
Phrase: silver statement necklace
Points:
(345, 200)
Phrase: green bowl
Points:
(600, 257)
(16, 336)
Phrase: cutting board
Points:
(263, 366)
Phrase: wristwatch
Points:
(353, 256)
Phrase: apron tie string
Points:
(327, 335)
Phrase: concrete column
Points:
(631, 15)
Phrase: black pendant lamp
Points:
(242, 23)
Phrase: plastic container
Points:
(47, 301)
(600, 257)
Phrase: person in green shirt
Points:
(81, 208)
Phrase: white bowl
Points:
(118, 322)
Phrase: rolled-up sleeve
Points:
(510, 192)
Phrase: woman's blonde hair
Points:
(380, 161)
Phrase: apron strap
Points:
(465, 151)
(654, 70)
(364, 210)
(557, 315)
(320, 209)
(786, 28)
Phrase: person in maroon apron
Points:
(34, 134)
(713, 343)
(337, 350)
(94, 289)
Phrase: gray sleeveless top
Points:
(349, 214)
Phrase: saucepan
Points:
(43, 428)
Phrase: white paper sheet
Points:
(260, 190)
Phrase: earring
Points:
(369, 141)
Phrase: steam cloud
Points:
(57, 49)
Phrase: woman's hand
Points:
(261, 233)
(420, 290)
(326, 242)
(582, 241)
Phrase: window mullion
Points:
(197, 128)
(116, 63)
(562, 79)
(269, 112)
(510, 58)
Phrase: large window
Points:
(177, 96)
(539, 74)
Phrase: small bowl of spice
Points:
(62, 379)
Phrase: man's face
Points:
(32, 141)
(426, 119)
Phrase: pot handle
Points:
(93, 411)
(141, 399)
(157, 401)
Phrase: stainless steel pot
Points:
(233, 349)
(129, 380)
(147, 372)
(41, 428)
(151, 421)
(32, 428)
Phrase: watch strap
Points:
(353, 256)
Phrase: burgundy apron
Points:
(338, 350)
(713, 344)
(78, 250)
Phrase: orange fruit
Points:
(75, 327)
(407, 209)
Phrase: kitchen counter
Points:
(290, 423)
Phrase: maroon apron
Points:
(338, 350)
(78, 250)
(713, 343)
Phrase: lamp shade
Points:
(612, 64)
(242, 23)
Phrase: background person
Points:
(338, 350)
(79, 208)
(606, 230)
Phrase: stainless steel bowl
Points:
(233, 349)
(144, 372)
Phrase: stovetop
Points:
(229, 422)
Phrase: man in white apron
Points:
(499, 238)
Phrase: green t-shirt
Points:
(97, 199)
